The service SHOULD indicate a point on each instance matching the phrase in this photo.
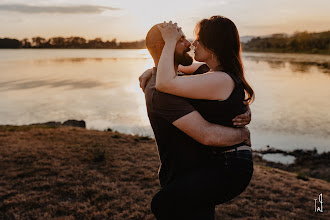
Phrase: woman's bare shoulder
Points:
(220, 75)
(223, 84)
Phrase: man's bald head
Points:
(155, 44)
(153, 37)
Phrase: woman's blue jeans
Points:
(194, 195)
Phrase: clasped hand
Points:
(170, 32)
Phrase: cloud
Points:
(79, 9)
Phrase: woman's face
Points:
(201, 53)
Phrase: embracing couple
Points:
(198, 112)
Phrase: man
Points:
(180, 131)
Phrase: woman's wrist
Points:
(171, 41)
(169, 48)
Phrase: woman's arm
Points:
(189, 69)
(146, 75)
(211, 86)
(166, 70)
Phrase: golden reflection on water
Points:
(103, 91)
(101, 87)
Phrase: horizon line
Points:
(266, 35)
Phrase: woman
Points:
(222, 89)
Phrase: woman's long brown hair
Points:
(220, 35)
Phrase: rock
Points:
(69, 123)
(50, 123)
(75, 123)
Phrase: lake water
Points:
(279, 158)
(291, 110)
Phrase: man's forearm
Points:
(221, 136)
(194, 125)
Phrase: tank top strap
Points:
(204, 68)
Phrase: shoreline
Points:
(325, 53)
(307, 163)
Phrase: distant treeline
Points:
(69, 42)
(300, 42)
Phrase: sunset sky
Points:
(129, 20)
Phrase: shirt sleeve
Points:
(171, 107)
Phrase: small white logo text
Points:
(318, 204)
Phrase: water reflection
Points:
(69, 84)
(80, 60)
(297, 62)
(304, 67)
(276, 64)
(101, 87)
(98, 86)
(300, 67)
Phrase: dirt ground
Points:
(74, 173)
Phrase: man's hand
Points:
(144, 78)
(246, 136)
(243, 119)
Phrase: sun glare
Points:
(146, 13)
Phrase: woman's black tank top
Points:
(222, 112)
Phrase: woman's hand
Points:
(247, 136)
(243, 119)
(170, 32)
(144, 78)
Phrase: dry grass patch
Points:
(74, 173)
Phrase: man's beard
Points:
(184, 59)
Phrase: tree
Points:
(57, 42)
(38, 42)
(75, 42)
(9, 43)
(26, 43)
